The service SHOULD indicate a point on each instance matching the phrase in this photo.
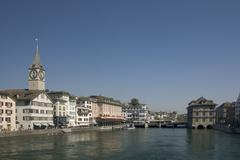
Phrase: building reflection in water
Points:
(94, 144)
(200, 144)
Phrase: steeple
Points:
(36, 59)
(36, 73)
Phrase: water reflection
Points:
(200, 144)
(141, 144)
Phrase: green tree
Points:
(134, 102)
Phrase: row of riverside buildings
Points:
(38, 108)
(204, 113)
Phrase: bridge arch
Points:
(209, 126)
(200, 126)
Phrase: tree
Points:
(134, 102)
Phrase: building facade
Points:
(225, 114)
(237, 112)
(201, 113)
(135, 113)
(167, 116)
(83, 116)
(60, 108)
(33, 107)
(71, 111)
(7, 113)
(103, 110)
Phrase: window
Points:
(1, 119)
(8, 119)
(8, 104)
(60, 107)
(26, 118)
(1, 111)
(8, 112)
(64, 108)
(1, 104)
(79, 119)
(42, 111)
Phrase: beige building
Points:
(105, 111)
(7, 113)
(201, 113)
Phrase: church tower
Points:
(36, 74)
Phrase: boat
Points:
(66, 130)
(106, 128)
(169, 126)
(129, 127)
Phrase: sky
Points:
(163, 52)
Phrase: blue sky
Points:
(165, 53)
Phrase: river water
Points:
(139, 144)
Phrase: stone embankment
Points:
(51, 132)
(227, 129)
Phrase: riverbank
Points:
(227, 129)
(52, 132)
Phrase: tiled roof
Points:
(22, 94)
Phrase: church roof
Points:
(22, 94)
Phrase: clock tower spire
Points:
(36, 76)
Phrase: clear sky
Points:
(164, 52)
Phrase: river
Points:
(138, 144)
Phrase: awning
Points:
(50, 124)
(37, 124)
(44, 124)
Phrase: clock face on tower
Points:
(41, 75)
(33, 74)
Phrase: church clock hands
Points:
(33, 74)
(41, 75)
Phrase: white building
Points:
(83, 116)
(135, 113)
(64, 106)
(60, 106)
(7, 113)
(72, 111)
(84, 112)
(34, 108)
